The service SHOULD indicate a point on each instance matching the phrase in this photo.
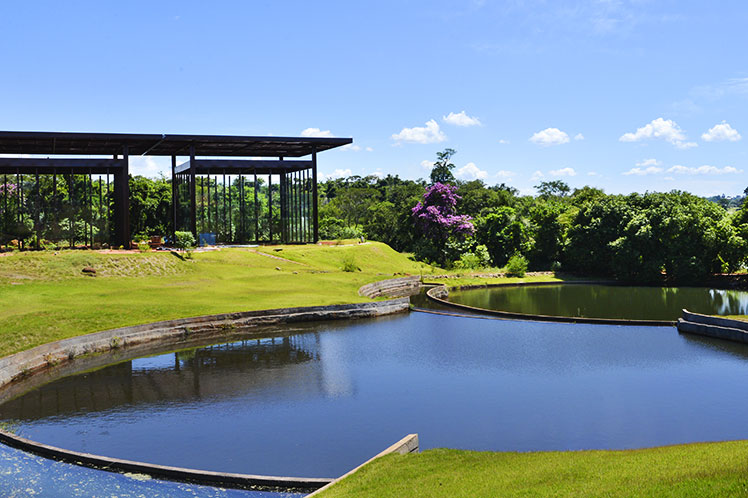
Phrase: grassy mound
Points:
(45, 296)
(703, 469)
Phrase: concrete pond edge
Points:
(408, 444)
(52, 360)
(713, 326)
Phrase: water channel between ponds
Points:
(317, 399)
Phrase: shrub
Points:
(474, 260)
(349, 263)
(184, 240)
(468, 261)
(516, 266)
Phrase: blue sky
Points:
(623, 95)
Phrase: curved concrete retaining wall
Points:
(713, 326)
(394, 287)
(20, 365)
(242, 481)
(439, 294)
(20, 371)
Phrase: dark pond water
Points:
(606, 301)
(319, 399)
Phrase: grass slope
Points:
(703, 469)
(45, 297)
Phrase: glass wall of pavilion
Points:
(246, 201)
(43, 207)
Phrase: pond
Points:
(318, 399)
(605, 301)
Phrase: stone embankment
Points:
(25, 363)
(713, 326)
(394, 287)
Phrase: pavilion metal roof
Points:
(36, 142)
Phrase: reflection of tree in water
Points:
(606, 301)
(211, 372)
(730, 302)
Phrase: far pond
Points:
(605, 301)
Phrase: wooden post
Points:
(193, 193)
(174, 198)
(122, 201)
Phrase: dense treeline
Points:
(636, 237)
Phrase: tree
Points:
(150, 205)
(435, 218)
(354, 203)
(476, 198)
(442, 170)
(553, 188)
(547, 233)
(504, 234)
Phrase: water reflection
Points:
(212, 372)
(606, 301)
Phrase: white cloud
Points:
(646, 167)
(686, 145)
(578, 136)
(652, 170)
(316, 132)
(471, 172)
(428, 134)
(356, 148)
(593, 173)
(149, 166)
(563, 172)
(461, 119)
(537, 175)
(503, 142)
(378, 173)
(550, 136)
(338, 173)
(703, 170)
(665, 129)
(427, 165)
(721, 132)
(505, 174)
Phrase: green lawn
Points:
(703, 469)
(45, 296)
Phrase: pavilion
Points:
(232, 189)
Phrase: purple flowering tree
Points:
(435, 218)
